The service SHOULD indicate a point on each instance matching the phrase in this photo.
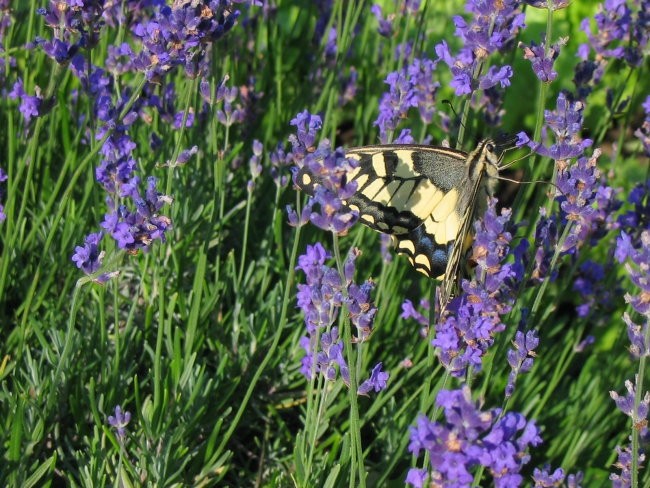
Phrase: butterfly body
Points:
(425, 197)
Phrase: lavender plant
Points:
(175, 312)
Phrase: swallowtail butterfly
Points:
(425, 197)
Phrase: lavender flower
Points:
(30, 106)
(185, 155)
(633, 222)
(119, 422)
(137, 230)
(590, 284)
(385, 28)
(320, 300)
(411, 87)
(361, 309)
(88, 258)
(521, 357)
(565, 124)
(254, 163)
(328, 171)
(469, 438)
(492, 28)
(467, 329)
(542, 61)
(624, 463)
(409, 311)
(377, 381)
(620, 32)
(637, 269)
(177, 36)
(280, 162)
(230, 113)
(385, 244)
(543, 478)
(643, 132)
(625, 404)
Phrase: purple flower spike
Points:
(468, 438)
(385, 28)
(328, 171)
(411, 87)
(471, 321)
(624, 463)
(643, 132)
(521, 357)
(621, 33)
(492, 28)
(3, 178)
(543, 62)
(565, 124)
(88, 257)
(377, 381)
(626, 405)
(120, 421)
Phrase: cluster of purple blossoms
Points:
(541, 61)
(6, 61)
(544, 478)
(521, 357)
(133, 219)
(281, 162)
(119, 422)
(621, 33)
(626, 404)
(411, 87)
(410, 312)
(31, 106)
(168, 37)
(639, 416)
(385, 28)
(321, 299)
(328, 170)
(469, 438)
(493, 27)
(88, 257)
(179, 35)
(643, 132)
(229, 114)
(469, 324)
(637, 255)
(636, 220)
(135, 230)
(565, 124)
(591, 285)
(624, 463)
(255, 164)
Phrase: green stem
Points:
(288, 291)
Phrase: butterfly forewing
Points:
(399, 186)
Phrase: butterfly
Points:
(425, 197)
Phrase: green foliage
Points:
(198, 337)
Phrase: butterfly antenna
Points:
(559, 190)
